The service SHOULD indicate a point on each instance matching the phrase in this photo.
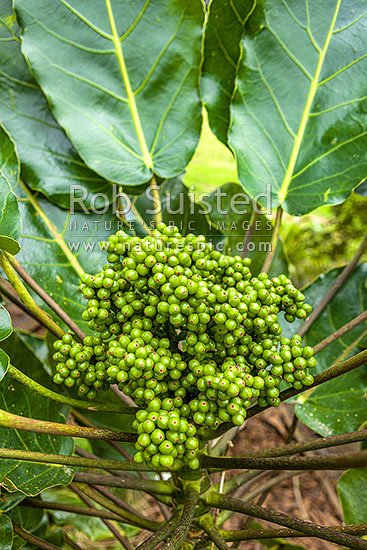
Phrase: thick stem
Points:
(131, 517)
(313, 444)
(162, 534)
(78, 462)
(49, 394)
(156, 200)
(306, 527)
(328, 462)
(340, 332)
(208, 525)
(334, 289)
(45, 297)
(9, 420)
(146, 485)
(259, 534)
(27, 299)
(28, 537)
(274, 240)
(12, 297)
(191, 496)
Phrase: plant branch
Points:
(191, 496)
(147, 485)
(72, 508)
(313, 444)
(27, 299)
(156, 199)
(162, 534)
(49, 394)
(45, 297)
(259, 534)
(9, 420)
(28, 537)
(12, 297)
(78, 462)
(131, 517)
(208, 525)
(340, 332)
(110, 526)
(328, 374)
(334, 289)
(306, 527)
(274, 240)
(328, 462)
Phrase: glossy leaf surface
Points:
(122, 78)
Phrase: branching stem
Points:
(9, 420)
(328, 462)
(334, 289)
(340, 332)
(147, 485)
(49, 394)
(27, 299)
(306, 527)
(45, 297)
(78, 462)
(191, 495)
(40, 543)
(156, 200)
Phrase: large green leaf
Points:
(231, 212)
(6, 532)
(58, 246)
(10, 222)
(222, 52)
(122, 78)
(298, 117)
(352, 490)
(348, 303)
(49, 161)
(30, 477)
(5, 323)
(337, 406)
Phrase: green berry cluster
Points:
(189, 333)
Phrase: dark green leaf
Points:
(352, 490)
(57, 247)
(30, 477)
(222, 52)
(231, 212)
(8, 501)
(49, 161)
(299, 110)
(5, 323)
(348, 303)
(29, 519)
(10, 222)
(179, 208)
(337, 406)
(122, 79)
(6, 532)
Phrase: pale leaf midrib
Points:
(130, 95)
(307, 109)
